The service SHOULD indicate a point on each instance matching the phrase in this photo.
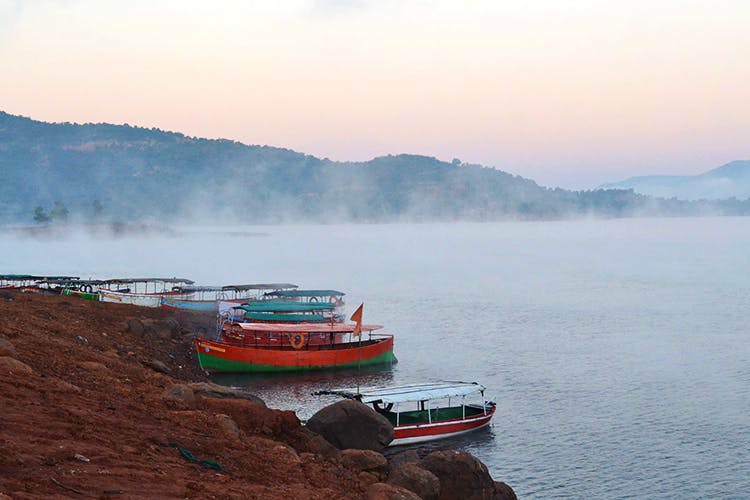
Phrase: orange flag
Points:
(357, 318)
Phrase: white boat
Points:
(427, 411)
(146, 292)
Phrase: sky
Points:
(569, 93)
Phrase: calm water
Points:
(618, 351)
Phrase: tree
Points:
(40, 216)
(98, 209)
(59, 212)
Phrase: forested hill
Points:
(124, 173)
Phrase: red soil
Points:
(85, 414)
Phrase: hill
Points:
(103, 172)
(728, 181)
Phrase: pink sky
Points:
(571, 93)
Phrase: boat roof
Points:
(410, 392)
(306, 327)
(77, 282)
(305, 293)
(30, 277)
(261, 286)
(197, 288)
(287, 318)
(122, 281)
(272, 306)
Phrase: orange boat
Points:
(269, 347)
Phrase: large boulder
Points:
(414, 478)
(461, 475)
(351, 424)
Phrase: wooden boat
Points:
(428, 411)
(145, 292)
(207, 298)
(267, 347)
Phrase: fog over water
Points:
(618, 350)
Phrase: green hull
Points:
(82, 295)
(216, 364)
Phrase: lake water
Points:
(618, 351)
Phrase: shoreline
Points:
(107, 400)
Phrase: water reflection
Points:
(294, 391)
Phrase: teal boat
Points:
(287, 318)
(287, 307)
(331, 296)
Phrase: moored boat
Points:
(29, 283)
(289, 312)
(331, 296)
(266, 347)
(146, 292)
(427, 411)
(207, 298)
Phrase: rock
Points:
(414, 478)
(364, 460)
(92, 366)
(14, 367)
(82, 340)
(81, 458)
(181, 392)
(461, 475)
(384, 491)
(210, 390)
(399, 459)
(351, 424)
(228, 425)
(286, 455)
(7, 348)
(6, 294)
(173, 326)
(158, 366)
(504, 492)
(315, 443)
(135, 326)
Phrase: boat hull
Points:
(136, 299)
(82, 295)
(189, 305)
(420, 433)
(222, 357)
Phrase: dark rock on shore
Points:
(462, 475)
(351, 424)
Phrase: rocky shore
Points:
(107, 401)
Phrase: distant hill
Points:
(103, 172)
(728, 181)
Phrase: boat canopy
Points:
(73, 282)
(126, 281)
(260, 286)
(194, 288)
(409, 393)
(31, 277)
(305, 293)
(287, 307)
(287, 318)
(306, 327)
